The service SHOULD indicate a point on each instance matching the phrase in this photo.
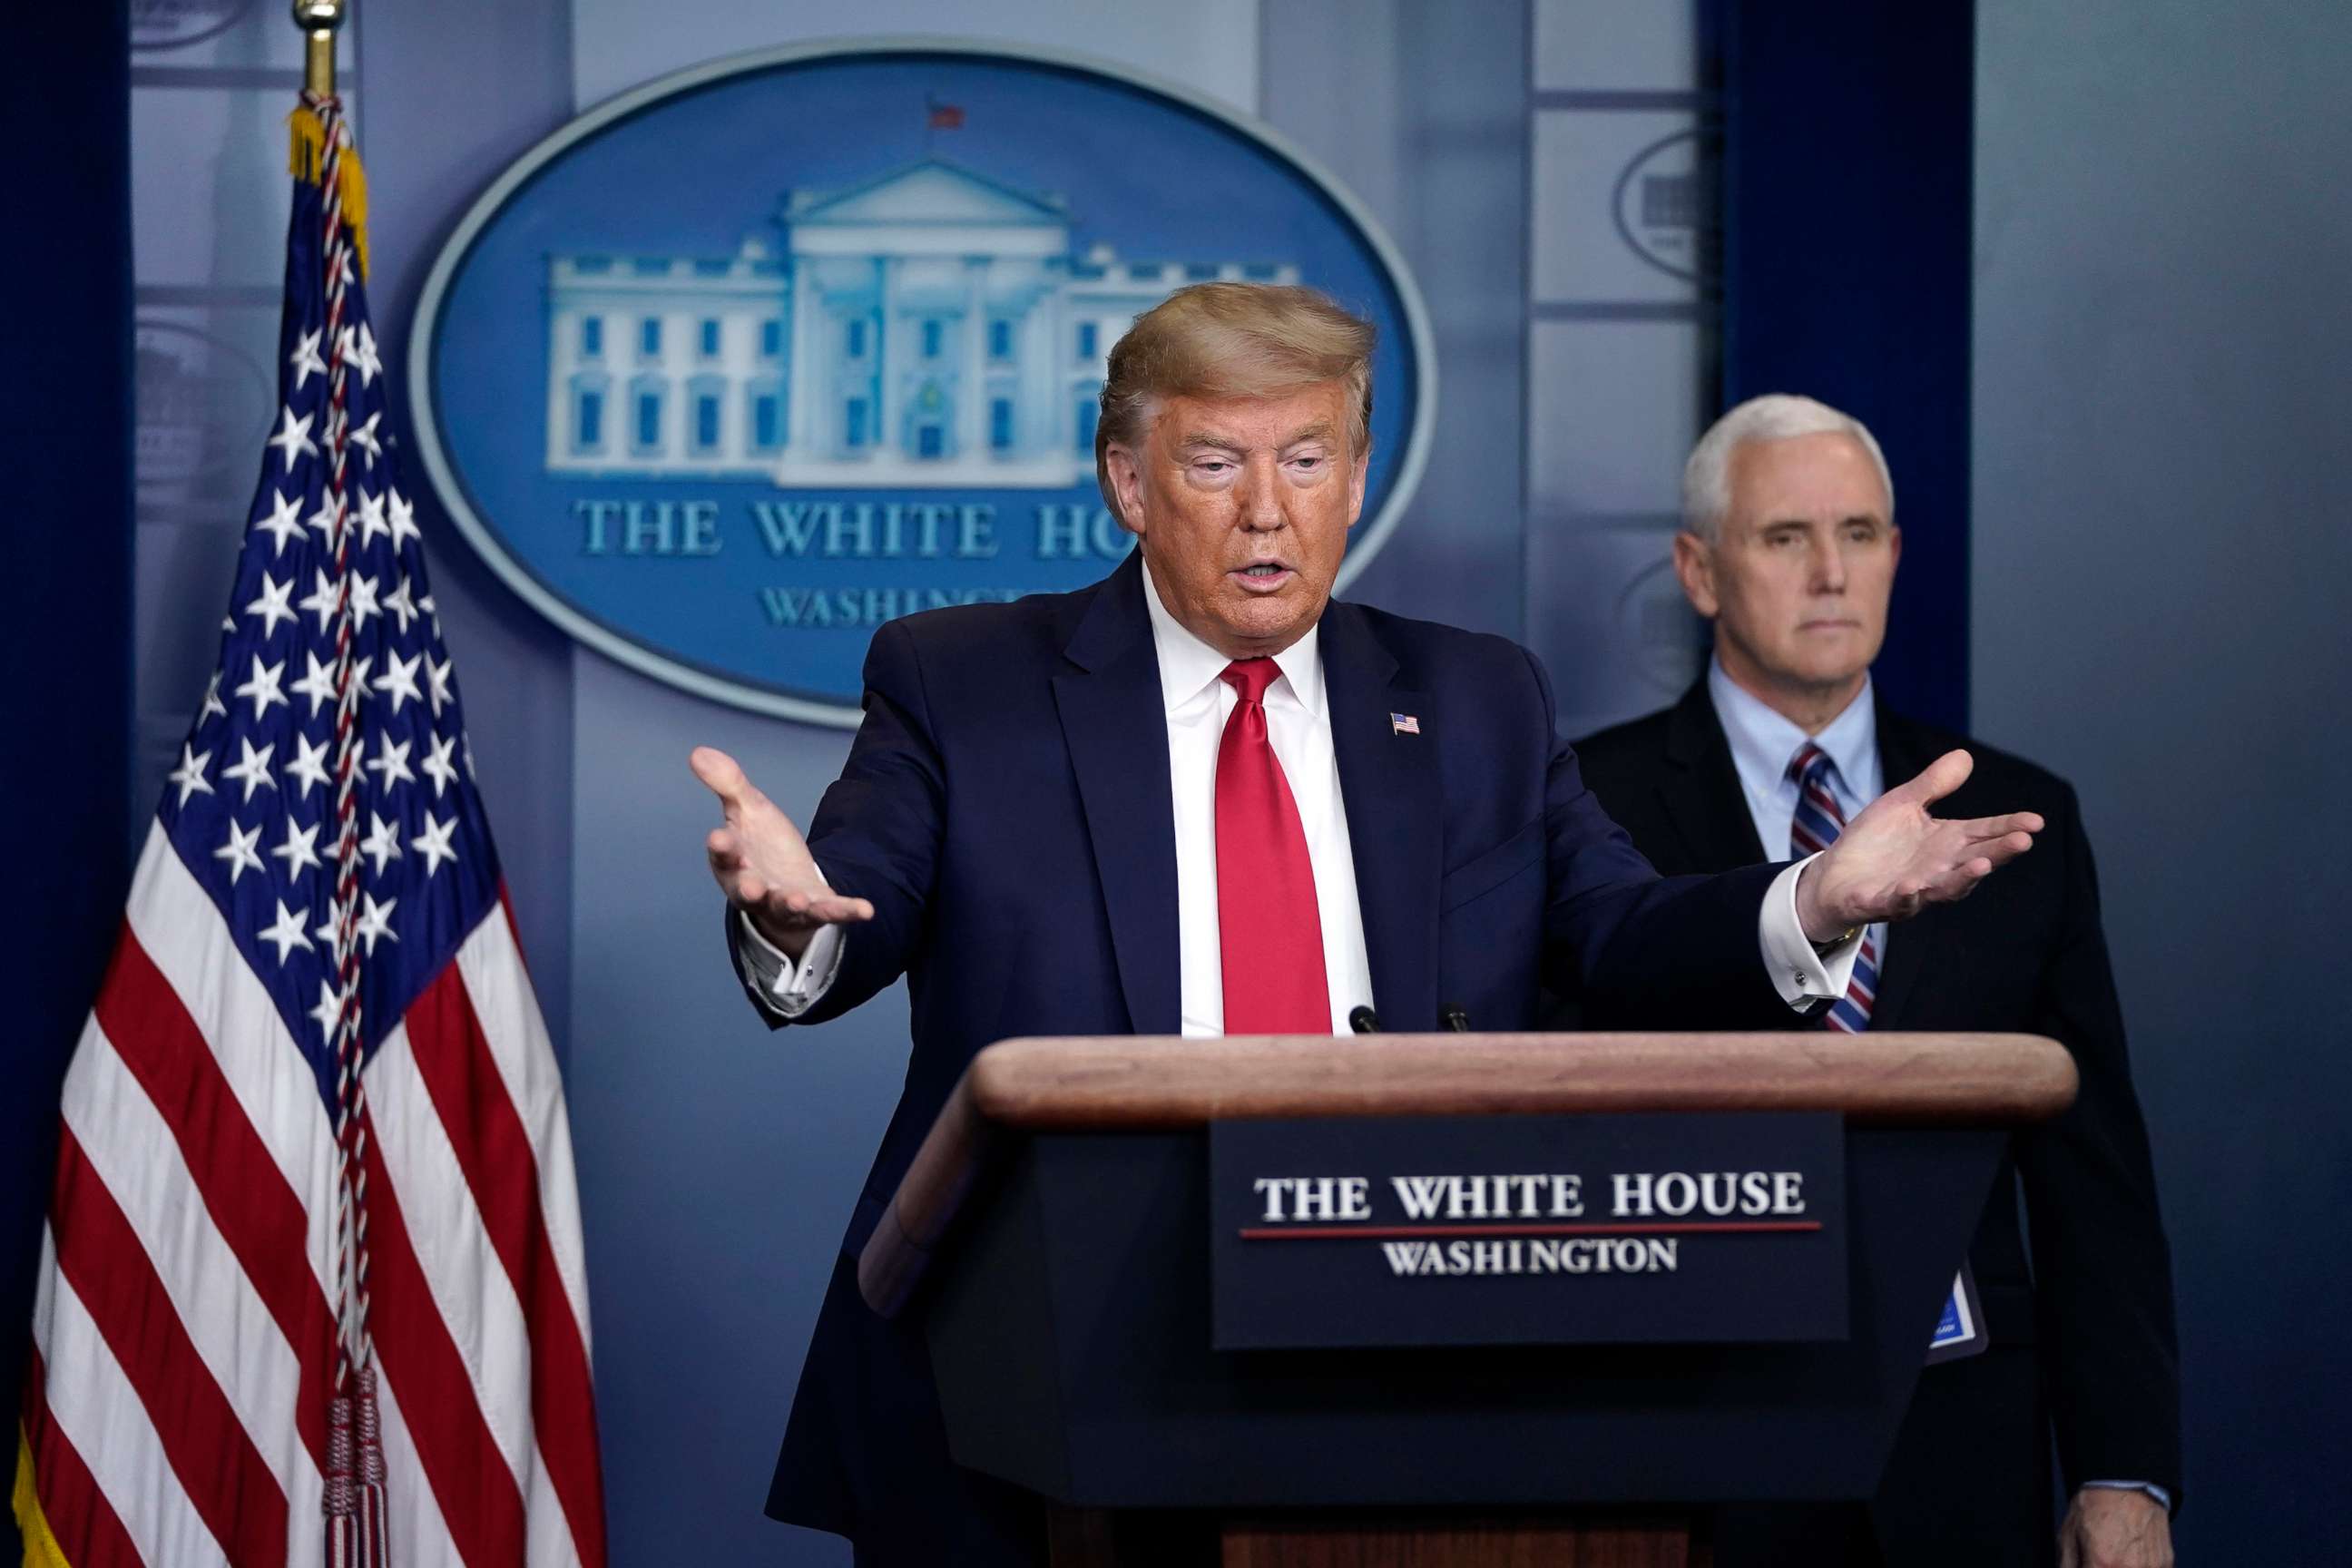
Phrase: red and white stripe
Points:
(183, 1334)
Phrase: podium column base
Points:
(1085, 1538)
(1615, 1542)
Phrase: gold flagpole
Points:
(319, 20)
(353, 1502)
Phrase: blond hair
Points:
(1232, 339)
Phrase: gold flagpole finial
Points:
(318, 19)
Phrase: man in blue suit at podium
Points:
(1203, 797)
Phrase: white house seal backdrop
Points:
(726, 374)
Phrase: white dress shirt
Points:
(1298, 725)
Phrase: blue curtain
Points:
(1849, 141)
(65, 425)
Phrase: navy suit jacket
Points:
(1006, 809)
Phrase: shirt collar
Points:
(1187, 665)
(1763, 741)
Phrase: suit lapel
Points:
(1114, 722)
(1902, 752)
(1395, 815)
(1700, 789)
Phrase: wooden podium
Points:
(1055, 1234)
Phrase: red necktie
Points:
(1269, 929)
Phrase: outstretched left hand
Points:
(1894, 859)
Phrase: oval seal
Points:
(730, 371)
(1664, 209)
(203, 405)
(176, 24)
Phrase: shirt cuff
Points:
(1800, 974)
(2163, 1497)
(785, 988)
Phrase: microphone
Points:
(1454, 1017)
(1363, 1020)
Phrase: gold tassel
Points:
(309, 145)
(41, 1548)
(306, 155)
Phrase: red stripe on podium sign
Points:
(1444, 1232)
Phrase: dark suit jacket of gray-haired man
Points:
(2085, 1332)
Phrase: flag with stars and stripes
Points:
(312, 1286)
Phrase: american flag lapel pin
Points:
(1403, 724)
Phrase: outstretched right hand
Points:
(763, 864)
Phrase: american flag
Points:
(288, 1312)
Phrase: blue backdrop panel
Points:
(1849, 135)
(65, 602)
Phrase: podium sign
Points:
(1583, 1229)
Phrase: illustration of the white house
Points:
(931, 326)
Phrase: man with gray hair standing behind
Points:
(1789, 546)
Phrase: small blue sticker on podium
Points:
(1960, 1331)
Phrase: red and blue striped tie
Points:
(1815, 828)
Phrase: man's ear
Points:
(1126, 486)
(1695, 570)
(1356, 484)
(1894, 546)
